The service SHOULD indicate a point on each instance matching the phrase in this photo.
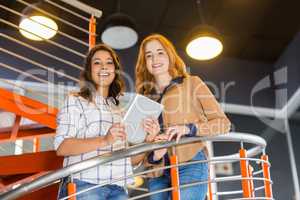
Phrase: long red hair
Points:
(144, 81)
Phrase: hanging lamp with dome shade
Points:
(205, 42)
(36, 25)
(119, 30)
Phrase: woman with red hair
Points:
(190, 109)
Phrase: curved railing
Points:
(244, 157)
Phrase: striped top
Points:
(79, 119)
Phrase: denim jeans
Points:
(107, 192)
(187, 174)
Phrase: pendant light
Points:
(119, 31)
(42, 26)
(204, 41)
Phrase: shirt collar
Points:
(99, 99)
(103, 100)
(175, 81)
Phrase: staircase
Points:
(17, 169)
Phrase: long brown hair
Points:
(144, 80)
(88, 87)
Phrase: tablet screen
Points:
(141, 107)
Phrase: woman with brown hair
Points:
(88, 125)
(190, 109)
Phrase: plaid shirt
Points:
(79, 119)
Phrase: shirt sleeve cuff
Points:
(193, 130)
(151, 159)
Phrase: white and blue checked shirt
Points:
(79, 119)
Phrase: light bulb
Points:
(204, 48)
(34, 25)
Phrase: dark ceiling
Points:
(252, 29)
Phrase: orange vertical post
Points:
(174, 178)
(71, 190)
(244, 173)
(209, 195)
(92, 32)
(251, 183)
(36, 144)
(266, 173)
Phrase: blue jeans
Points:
(107, 192)
(187, 174)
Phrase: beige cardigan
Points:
(191, 102)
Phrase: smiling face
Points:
(157, 59)
(102, 68)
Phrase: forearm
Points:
(75, 146)
(135, 160)
(214, 127)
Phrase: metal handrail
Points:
(53, 177)
(41, 51)
(39, 64)
(46, 40)
(212, 180)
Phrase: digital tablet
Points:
(141, 107)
